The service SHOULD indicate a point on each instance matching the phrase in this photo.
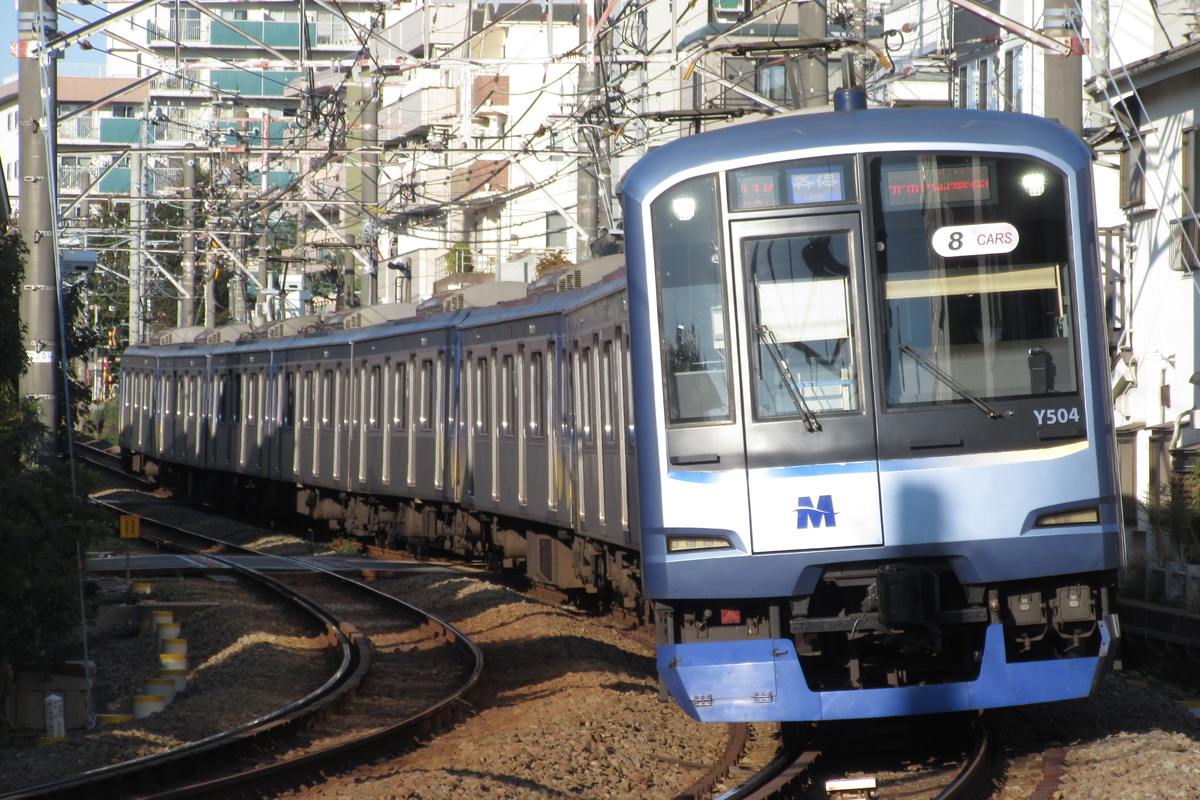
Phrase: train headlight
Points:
(1073, 516)
(684, 208)
(689, 544)
(1034, 183)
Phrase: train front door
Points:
(809, 417)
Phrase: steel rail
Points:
(123, 780)
(978, 769)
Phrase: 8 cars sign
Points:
(955, 241)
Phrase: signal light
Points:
(731, 616)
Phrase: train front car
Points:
(875, 453)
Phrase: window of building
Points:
(1014, 95)
(1189, 229)
(766, 77)
(1133, 173)
(557, 231)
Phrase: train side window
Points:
(506, 395)
(308, 392)
(327, 389)
(608, 392)
(191, 397)
(630, 438)
(375, 395)
(399, 396)
(289, 399)
(235, 404)
(480, 399)
(222, 399)
(428, 389)
(585, 394)
(554, 414)
(692, 305)
(537, 395)
(252, 399)
(344, 403)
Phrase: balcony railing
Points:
(447, 27)
(461, 259)
(186, 81)
(188, 31)
(85, 127)
(436, 105)
(326, 32)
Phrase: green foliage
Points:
(43, 527)
(105, 421)
(82, 338)
(13, 359)
(324, 283)
(45, 522)
(348, 548)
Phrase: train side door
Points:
(808, 421)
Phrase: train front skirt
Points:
(761, 681)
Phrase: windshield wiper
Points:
(767, 336)
(941, 375)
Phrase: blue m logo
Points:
(820, 514)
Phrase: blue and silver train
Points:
(876, 452)
(872, 472)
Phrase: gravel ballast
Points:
(573, 712)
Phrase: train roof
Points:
(474, 301)
(476, 295)
(878, 129)
(576, 276)
(186, 335)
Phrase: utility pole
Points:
(1064, 73)
(137, 226)
(586, 185)
(365, 98)
(37, 23)
(812, 22)
(187, 303)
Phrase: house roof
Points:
(1168, 64)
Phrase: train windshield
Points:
(803, 325)
(972, 261)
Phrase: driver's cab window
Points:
(801, 324)
(693, 317)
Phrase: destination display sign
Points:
(940, 186)
(794, 183)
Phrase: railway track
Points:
(429, 671)
(814, 783)
(811, 762)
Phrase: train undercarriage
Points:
(590, 572)
(905, 624)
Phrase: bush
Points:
(105, 421)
